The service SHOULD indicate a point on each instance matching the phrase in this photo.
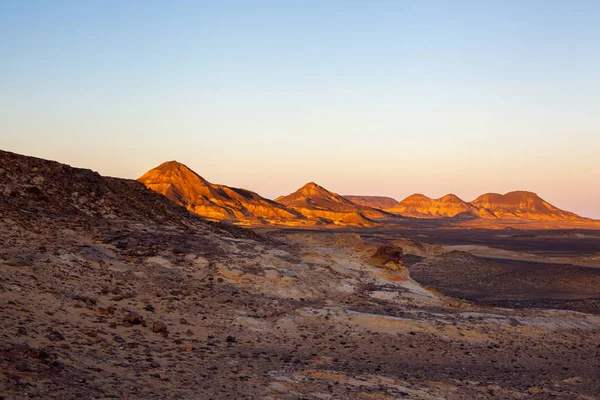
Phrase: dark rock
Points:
(133, 318)
(160, 327)
(55, 336)
(515, 322)
(386, 254)
(38, 354)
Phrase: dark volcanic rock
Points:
(133, 318)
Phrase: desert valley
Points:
(172, 287)
(299, 200)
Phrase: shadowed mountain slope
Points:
(41, 187)
(379, 202)
(217, 202)
(522, 205)
(39, 195)
(315, 201)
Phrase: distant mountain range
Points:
(421, 206)
(314, 205)
(512, 205)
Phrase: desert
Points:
(149, 300)
(299, 200)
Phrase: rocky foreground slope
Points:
(111, 291)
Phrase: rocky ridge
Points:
(518, 205)
(449, 206)
(314, 205)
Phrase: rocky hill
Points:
(216, 202)
(522, 205)
(315, 201)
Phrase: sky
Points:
(363, 97)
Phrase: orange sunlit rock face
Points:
(314, 205)
(217, 202)
(317, 202)
(513, 205)
(522, 205)
(311, 205)
(421, 206)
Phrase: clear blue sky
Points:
(363, 97)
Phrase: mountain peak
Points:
(170, 171)
(312, 187)
(172, 162)
(316, 201)
(173, 165)
(417, 197)
(312, 192)
(451, 197)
